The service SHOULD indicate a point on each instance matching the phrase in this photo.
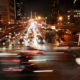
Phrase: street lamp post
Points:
(39, 17)
(60, 19)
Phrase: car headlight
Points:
(39, 40)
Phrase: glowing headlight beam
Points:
(37, 60)
(43, 71)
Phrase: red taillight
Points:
(10, 60)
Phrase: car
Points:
(40, 40)
(4, 42)
(30, 48)
(30, 41)
(28, 68)
(21, 41)
(24, 58)
(24, 65)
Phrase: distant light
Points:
(18, 42)
(39, 17)
(60, 18)
(0, 29)
(23, 43)
(68, 16)
(77, 61)
(53, 27)
(9, 22)
(3, 43)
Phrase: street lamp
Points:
(39, 17)
(60, 18)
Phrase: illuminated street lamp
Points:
(39, 17)
(9, 22)
(60, 18)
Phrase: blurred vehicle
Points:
(30, 41)
(31, 48)
(40, 40)
(32, 53)
(31, 35)
(21, 41)
(29, 67)
(30, 38)
(23, 65)
(4, 42)
(24, 58)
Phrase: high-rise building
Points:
(12, 11)
(59, 8)
(7, 11)
(19, 9)
(77, 4)
(3, 11)
(74, 13)
(3, 15)
(54, 11)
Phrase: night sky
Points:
(42, 6)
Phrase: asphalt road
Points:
(56, 66)
(57, 63)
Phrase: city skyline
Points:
(42, 7)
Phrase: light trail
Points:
(32, 29)
(37, 60)
(43, 71)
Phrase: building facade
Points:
(19, 9)
(54, 11)
(7, 11)
(74, 13)
(11, 11)
(3, 11)
(59, 8)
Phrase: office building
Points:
(7, 11)
(19, 9)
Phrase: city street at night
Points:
(39, 40)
